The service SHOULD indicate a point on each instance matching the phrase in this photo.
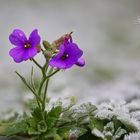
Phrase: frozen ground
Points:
(108, 32)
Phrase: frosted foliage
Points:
(121, 110)
(132, 136)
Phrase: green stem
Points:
(50, 75)
(45, 68)
(45, 77)
(45, 95)
(46, 87)
(24, 81)
(37, 63)
(41, 85)
(32, 81)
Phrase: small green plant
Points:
(63, 119)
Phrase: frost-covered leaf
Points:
(111, 109)
(130, 124)
(108, 130)
(53, 115)
(107, 121)
(88, 108)
(119, 132)
(97, 133)
(98, 124)
(77, 132)
(132, 136)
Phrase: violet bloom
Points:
(25, 48)
(69, 54)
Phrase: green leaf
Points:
(89, 136)
(33, 131)
(32, 126)
(119, 133)
(16, 128)
(129, 124)
(77, 131)
(32, 104)
(55, 112)
(88, 107)
(109, 130)
(13, 138)
(37, 114)
(42, 127)
(50, 133)
(95, 123)
(97, 133)
(57, 137)
(53, 116)
(29, 87)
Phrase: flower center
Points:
(27, 45)
(65, 56)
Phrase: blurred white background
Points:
(107, 30)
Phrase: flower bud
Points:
(54, 47)
(46, 45)
(61, 40)
(47, 54)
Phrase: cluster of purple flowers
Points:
(68, 54)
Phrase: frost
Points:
(119, 133)
(122, 111)
(97, 133)
(132, 136)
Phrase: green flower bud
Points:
(46, 45)
(47, 54)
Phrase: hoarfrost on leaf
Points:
(132, 136)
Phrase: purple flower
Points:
(69, 54)
(25, 48)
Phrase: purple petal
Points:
(61, 51)
(18, 38)
(17, 54)
(29, 53)
(25, 55)
(80, 62)
(57, 63)
(32, 52)
(69, 62)
(73, 51)
(34, 38)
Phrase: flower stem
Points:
(45, 78)
(41, 85)
(50, 75)
(36, 63)
(45, 95)
(31, 80)
(24, 81)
